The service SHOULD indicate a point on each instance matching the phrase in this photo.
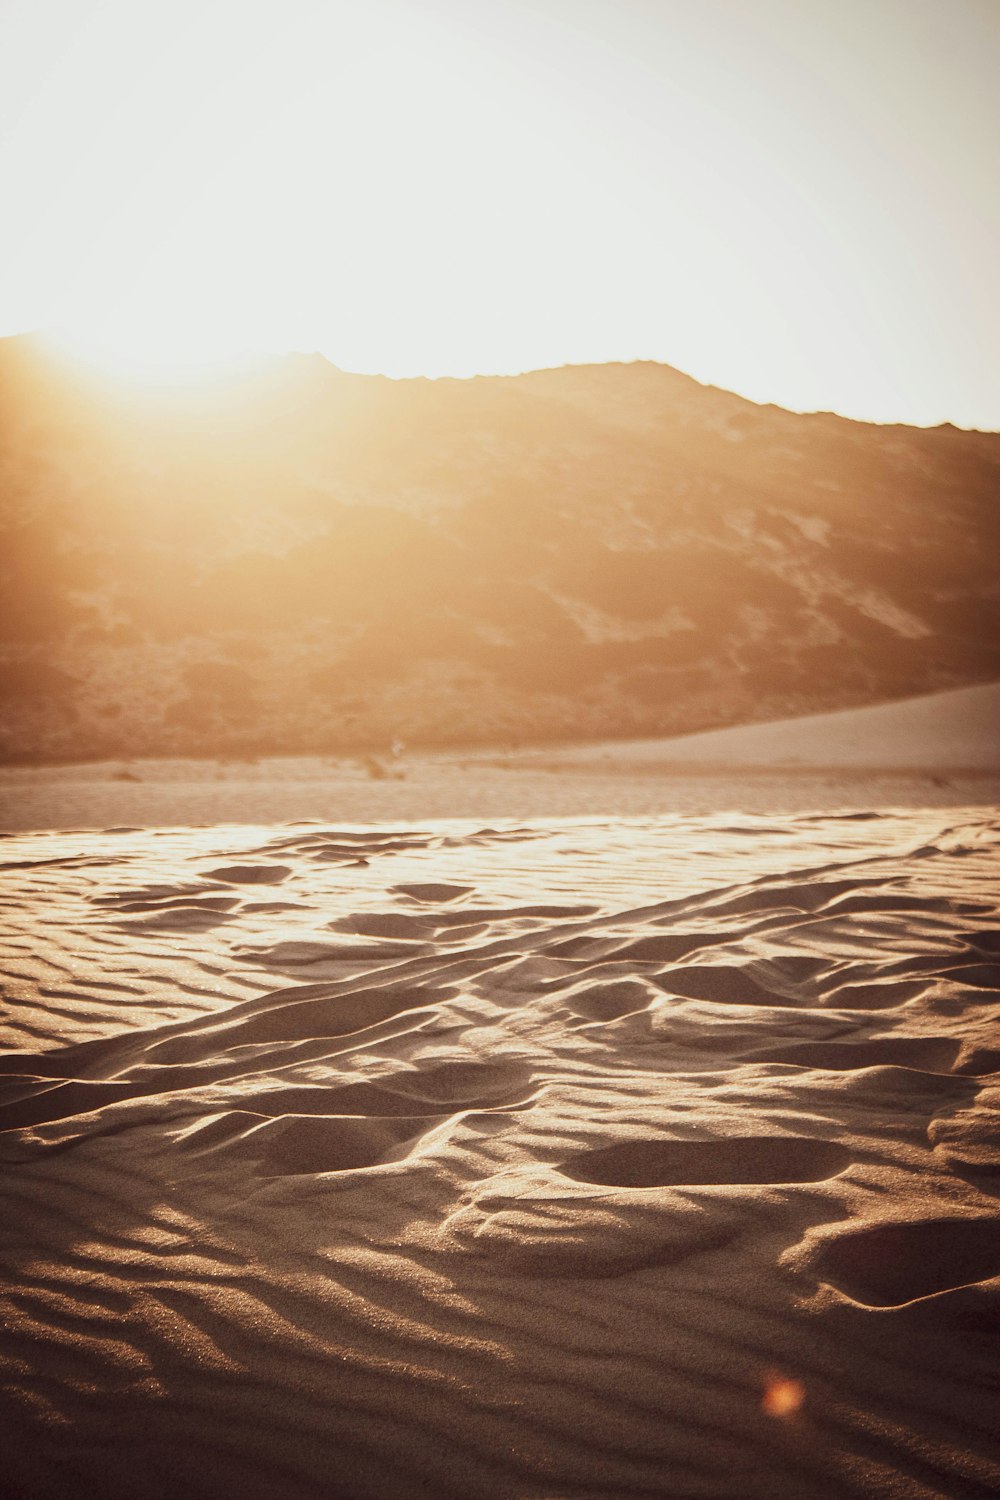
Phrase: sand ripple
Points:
(558, 1159)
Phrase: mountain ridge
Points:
(290, 561)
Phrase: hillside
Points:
(308, 560)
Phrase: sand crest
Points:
(566, 1159)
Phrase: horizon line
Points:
(257, 356)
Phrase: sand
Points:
(523, 1158)
(950, 733)
(941, 750)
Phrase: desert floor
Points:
(636, 1136)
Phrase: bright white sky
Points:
(795, 199)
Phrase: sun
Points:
(166, 349)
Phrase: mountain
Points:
(302, 559)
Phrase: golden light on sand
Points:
(412, 1157)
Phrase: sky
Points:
(798, 200)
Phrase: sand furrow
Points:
(591, 1161)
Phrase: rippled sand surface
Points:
(530, 1160)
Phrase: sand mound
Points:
(583, 1159)
(947, 733)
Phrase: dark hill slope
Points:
(305, 559)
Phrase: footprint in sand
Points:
(314, 1129)
(609, 1002)
(444, 1090)
(732, 1161)
(929, 1054)
(427, 891)
(726, 984)
(888, 1265)
(294, 1147)
(561, 1233)
(925, 1054)
(250, 874)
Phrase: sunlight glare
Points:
(167, 351)
(438, 189)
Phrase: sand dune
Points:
(949, 732)
(567, 1159)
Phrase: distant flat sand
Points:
(948, 733)
(942, 750)
(503, 1159)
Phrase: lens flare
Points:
(782, 1397)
